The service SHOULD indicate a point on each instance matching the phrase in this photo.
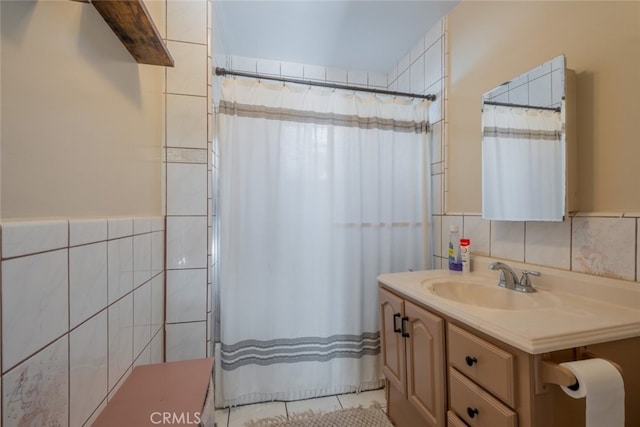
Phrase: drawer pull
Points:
(470, 360)
(396, 317)
(472, 412)
(404, 330)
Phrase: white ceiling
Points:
(365, 35)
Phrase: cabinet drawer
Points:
(483, 362)
(454, 421)
(477, 407)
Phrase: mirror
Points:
(526, 154)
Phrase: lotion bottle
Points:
(455, 262)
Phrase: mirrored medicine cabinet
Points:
(528, 148)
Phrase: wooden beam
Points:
(131, 22)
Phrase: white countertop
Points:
(584, 310)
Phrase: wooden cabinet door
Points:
(393, 351)
(426, 386)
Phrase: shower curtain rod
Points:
(225, 72)
(506, 104)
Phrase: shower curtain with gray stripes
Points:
(320, 192)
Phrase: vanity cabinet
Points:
(471, 381)
(413, 362)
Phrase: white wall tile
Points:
(404, 64)
(83, 231)
(157, 223)
(186, 341)
(507, 240)
(186, 121)
(378, 79)
(42, 382)
(437, 236)
(35, 303)
(548, 244)
(437, 198)
(22, 238)
(268, 67)
(88, 363)
(436, 106)
(447, 221)
(87, 281)
(357, 78)
(187, 21)
(157, 252)
(141, 318)
(478, 230)
(604, 246)
(141, 225)
(144, 358)
(119, 227)
(186, 295)
(141, 259)
(157, 303)
(186, 189)
(120, 267)
(186, 242)
(433, 64)
(417, 75)
(157, 348)
(336, 75)
(417, 50)
(240, 63)
(314, 72)
(292, 69)
(189, 75)
(404, 82)
(436, 142)
(434, 34)
(120, 339)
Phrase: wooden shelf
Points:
(131, 22)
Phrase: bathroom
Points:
(106, 207)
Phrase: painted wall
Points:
(82, 122)
(492, 42)
(83, 296)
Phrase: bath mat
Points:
(352, 417)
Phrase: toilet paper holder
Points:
(552, 373)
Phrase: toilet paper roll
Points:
(602, 385)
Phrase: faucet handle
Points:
(525, 282)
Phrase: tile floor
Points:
(238, 416)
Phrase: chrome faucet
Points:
(509, 279)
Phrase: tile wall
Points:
(318, 73)
(82, 303)
(188, 170)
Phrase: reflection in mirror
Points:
(524, 149)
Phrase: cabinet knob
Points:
(472, 412)
(470, 360)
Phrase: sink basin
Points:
(480, 293)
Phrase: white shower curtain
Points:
(319, 193)
(523, 151)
